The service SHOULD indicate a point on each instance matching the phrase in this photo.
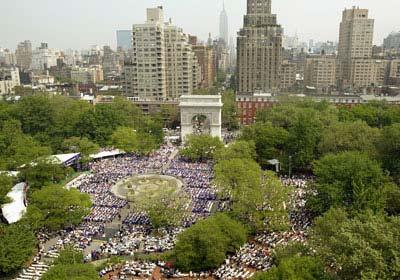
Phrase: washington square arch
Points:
(200, 114)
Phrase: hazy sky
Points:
(78, 24)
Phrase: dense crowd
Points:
(135, 232)
(257, 255)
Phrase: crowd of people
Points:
(132, 239)
(257, 254)
(135, 232)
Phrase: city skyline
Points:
(61, 25)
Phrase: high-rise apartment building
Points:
(206, 59)
(110, 63)
(24, 55)
(355, 47)
(392, 41)
(163, 65)
(224, 26)
(43, 58)
(259, 49)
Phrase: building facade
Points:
(259, 49)
(288, 75)
(206, 59)
(224, 26)
(163, 65)
(320, 72)
(392, 41)
(355, 47)
(9, 79)
(43, 58)
(24, 55)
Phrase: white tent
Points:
(65, 159)
(14, 210)
(107, 154)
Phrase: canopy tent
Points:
(66, 159)
(14, 210)
(107, 154)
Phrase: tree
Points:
(277, 197)
(80, 145)
(237, 149)
(349, 136)
(269, 141)
(17, 245)
(256, 200)
(18, 148)
(126, 139)
(233, 175)
(165, 208)
(54, 208)
(295, 268)
(303, 138)
(43, 172)
(71, 272)
(350, 180)
(205, 245)
(389, 149)
(69, 255)
(362, 247)
(147, 143)
(69, 265)
(201, 147)
(5, 188)
(230, 118)
(35, 114)
(375, 114)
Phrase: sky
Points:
(78, 24)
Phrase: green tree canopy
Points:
(43, 172)
(16, 147)
(6, 183)
(237, 149)
(35, 113)
(351, 180)
(269, 140)
(17, 245)
(165, 207)
(80, 145)
(364, 247)
(389, 149)
(230, 118)
(54, 208)
(205, 245)
(349, 136)
(295, 268)
(201, 147)
(126, 139)
(69, 255)
(71, 272)
(375, 114)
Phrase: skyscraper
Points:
(355, 48)
(163, 64)
(259, 49)
(24, 55)
(224, 26)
